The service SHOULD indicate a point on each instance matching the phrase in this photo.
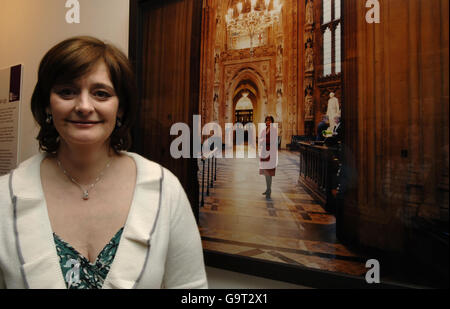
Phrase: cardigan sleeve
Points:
(185, 267)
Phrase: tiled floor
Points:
(291, 228)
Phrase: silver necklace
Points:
(85, 195)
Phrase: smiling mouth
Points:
(83, 122)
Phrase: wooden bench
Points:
(295, 139)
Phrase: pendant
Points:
(85, 195)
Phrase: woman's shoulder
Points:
(153, 176)
(24, 179)
(151, 170)
(24, 169)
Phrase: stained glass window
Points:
(337, 9)
(326, 11)
(327, 52)
(337, 49)
(331, 31)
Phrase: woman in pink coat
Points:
(268, 156)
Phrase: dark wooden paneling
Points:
(165, 51)
(395, 89)
(345, 226)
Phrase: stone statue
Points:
(279, 59)
(309, 13)
(309, 58)
(333, 110)
(309, 102)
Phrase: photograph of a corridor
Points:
(259, 62)
(337, 199)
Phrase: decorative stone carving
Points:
(273, 48)
(279, 59)
(309, 67)
(308, 36)
(240, 54)
(308, 83)
(309, 13)
(309, 106)
(309, 58)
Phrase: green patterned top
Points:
(78, 272)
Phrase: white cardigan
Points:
(160, 245)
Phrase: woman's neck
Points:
(84, 163)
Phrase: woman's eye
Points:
(102, 94)
(66, 92)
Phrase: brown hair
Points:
(70, 60)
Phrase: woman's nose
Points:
(84, 104)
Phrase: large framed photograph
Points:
(357, 96)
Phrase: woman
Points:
(268, 157)
(85, 213)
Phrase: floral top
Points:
(78, 272)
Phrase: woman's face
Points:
(85, 111)
(268, 122)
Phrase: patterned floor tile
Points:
(290, 228)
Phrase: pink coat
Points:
(268, 159)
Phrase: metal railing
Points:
(210, 160)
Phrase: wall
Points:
(29, 28)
